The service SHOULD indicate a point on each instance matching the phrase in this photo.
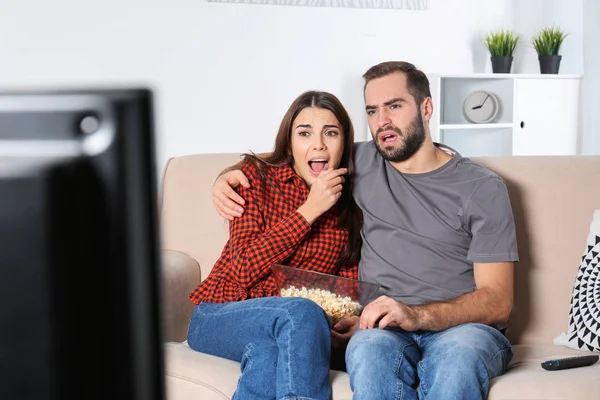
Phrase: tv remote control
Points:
(570, 362)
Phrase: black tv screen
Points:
(79, 241)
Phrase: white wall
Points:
(568, 15)
(590, 140)
(528, 18)
(532, 15)
(224, 74)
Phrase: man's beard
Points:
(413, 139)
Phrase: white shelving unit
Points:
(538, 114)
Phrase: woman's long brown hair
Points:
(348, 214)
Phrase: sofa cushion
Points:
(526, 379)
(584, 312)
(193, 375)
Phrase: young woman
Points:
(299, 212)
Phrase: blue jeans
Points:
(283, 345)
(454, 364)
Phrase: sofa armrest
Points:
(180, 275)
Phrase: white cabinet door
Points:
(546, 116)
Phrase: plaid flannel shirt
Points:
(271, 231)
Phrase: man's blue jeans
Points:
(454, 364)
(283, 345)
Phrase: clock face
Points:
(480, 107)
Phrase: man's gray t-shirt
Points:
(423, 232)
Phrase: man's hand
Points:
(390, 312)
(489, 304)
(343, 330)
(226, 200)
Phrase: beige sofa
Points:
(553, 200)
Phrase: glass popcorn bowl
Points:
(339, 297)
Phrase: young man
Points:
(439, 237)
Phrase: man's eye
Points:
(395, 106)
(370, 112)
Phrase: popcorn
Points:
(337, 307)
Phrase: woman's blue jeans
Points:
(283, 345)
(454, 364)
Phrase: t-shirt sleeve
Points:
(491, 223)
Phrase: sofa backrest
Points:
(553, 199)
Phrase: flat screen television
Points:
(79, 260)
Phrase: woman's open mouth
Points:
(317, 165)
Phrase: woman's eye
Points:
(303, 133)
(331, 133)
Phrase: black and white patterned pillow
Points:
(584, 314)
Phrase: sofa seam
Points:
(198, 383)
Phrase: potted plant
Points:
(501, 46)
(547, 43)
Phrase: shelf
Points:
(530, 97)
(476, 126)
(483, 143)
(455, 91)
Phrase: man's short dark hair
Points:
(418, 84)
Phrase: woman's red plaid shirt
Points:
(272, 231)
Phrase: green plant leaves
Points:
(548, 41)
(501, 43)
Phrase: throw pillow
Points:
(584, 314)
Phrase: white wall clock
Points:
(481, 107)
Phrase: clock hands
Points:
(482, 103)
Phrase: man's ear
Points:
(427, 109)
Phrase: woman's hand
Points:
(324, 193)
(343, 331)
